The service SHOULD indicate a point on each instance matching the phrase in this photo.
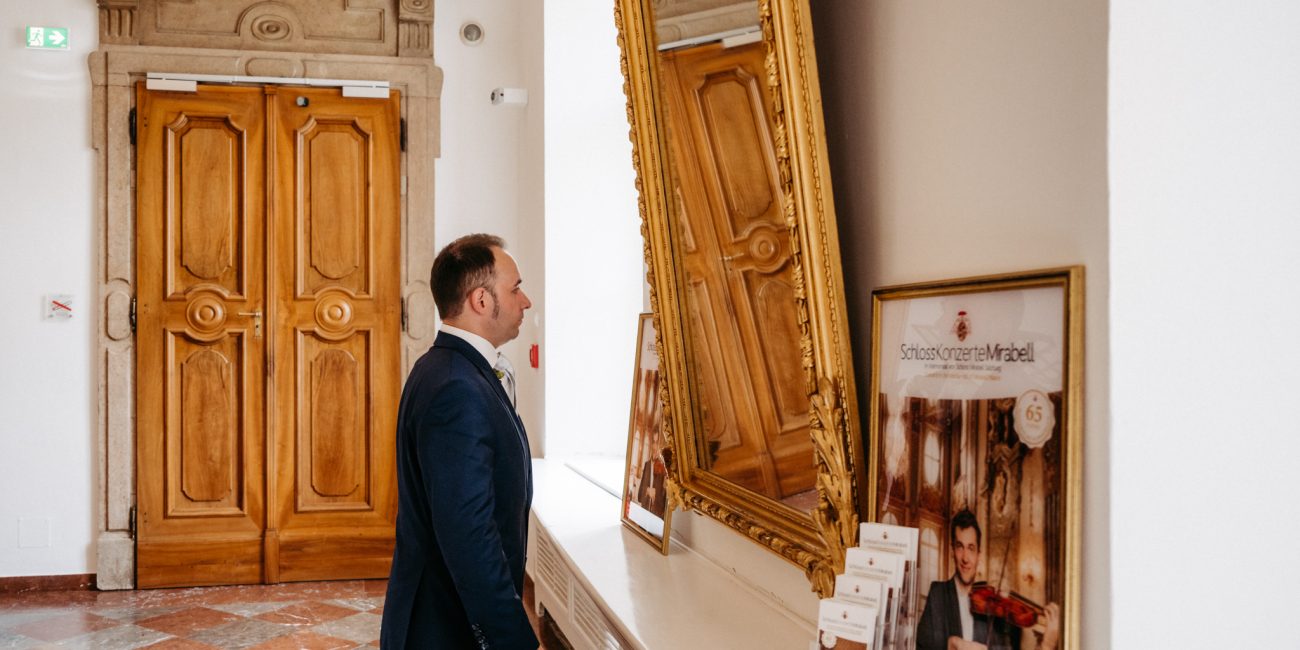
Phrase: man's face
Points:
(966, 553)
(508, 312)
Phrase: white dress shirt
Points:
(963, 606)
(505, 372)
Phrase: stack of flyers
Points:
(863, 590)
(845, 626)
(903, 543)
(886, 568)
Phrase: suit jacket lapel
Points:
(489, 373)
(445, 340)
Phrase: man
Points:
(464, 478)
(948, 622)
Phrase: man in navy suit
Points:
(464, 470)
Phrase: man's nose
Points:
(527, 303)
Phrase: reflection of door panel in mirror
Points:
(739, 280)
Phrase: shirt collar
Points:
(481, 344)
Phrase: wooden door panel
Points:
(204, 431)
(334, 438)
(211, 148)
(723, 149)
(338, 304)
(717, 413)
(206, 220)
(768, 298)
(335, 213)
(735, 124)
(200, 378)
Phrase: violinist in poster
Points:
(975, 439)
(962, 614)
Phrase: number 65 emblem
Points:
(1035, 418)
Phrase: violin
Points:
(1013, 608)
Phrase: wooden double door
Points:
(268, 331)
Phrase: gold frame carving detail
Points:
(814, 541)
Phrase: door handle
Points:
(257, 322)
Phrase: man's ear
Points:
(478, 300)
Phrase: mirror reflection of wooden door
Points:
(267, 248)
(736, 256)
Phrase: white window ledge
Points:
(608, 588)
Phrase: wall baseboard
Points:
(23, 584)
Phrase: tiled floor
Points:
(313, 615)
(307, 615)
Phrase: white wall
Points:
(47, 246)
(969, 139)
(489, 177)
(594, 272)
(1205, 178)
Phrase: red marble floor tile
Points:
(375, 587)
(186, 621)
(305, 641)
(110, 599)
(243, 633)
(216, 595)
(288, 591)
(65, 626)
(181, 597)
(306, 613)
(181, 644)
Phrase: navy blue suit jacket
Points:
(464, 488)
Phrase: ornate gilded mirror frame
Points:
(815, 541)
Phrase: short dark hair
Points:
(461, 267)
(965, 519)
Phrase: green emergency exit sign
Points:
(47, 38)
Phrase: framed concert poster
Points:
(645, 489)
(975, 432)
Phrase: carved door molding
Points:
(368, 27)
(141, 36)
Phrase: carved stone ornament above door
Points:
(367, 27)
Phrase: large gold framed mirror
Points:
(744, 271)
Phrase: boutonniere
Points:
(499, 374)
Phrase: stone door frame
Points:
(114, 69)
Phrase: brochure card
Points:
(861, 590)
(845, 626)
(902, 540)
(886, 567)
